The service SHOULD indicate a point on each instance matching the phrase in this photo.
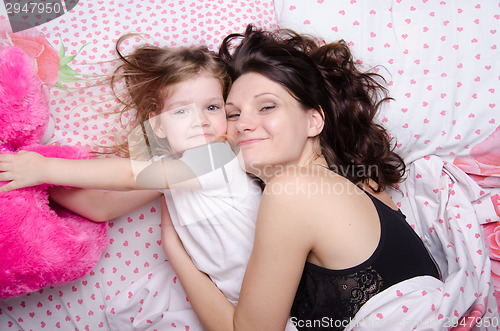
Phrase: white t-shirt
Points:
(216, 223)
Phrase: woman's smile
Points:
(250, 141)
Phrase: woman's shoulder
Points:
(313, 200)
(311, 186)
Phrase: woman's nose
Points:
(246, 122)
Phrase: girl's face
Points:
(193, 114)
(271, 127)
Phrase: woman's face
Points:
(270, 126)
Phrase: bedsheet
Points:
(447, 209)
(440, 59)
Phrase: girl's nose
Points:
(200, 118)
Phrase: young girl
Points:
(179, 98)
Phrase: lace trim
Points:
(356, 289)
(338, 297)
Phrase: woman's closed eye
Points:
(233, 115)
(267, 107)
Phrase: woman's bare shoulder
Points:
(309, 188)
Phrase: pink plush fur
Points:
(41, 244)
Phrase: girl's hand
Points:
(22, 169)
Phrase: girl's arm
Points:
(100, 206)
(200, 289)
(283, 239)
(29, 169)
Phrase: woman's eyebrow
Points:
(257, 96)
(264, 94)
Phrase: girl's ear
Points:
(316, 122)
(155, 121)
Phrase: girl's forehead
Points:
(200, 84)
(199, 89)
(196, 84)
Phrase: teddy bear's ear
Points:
(24, 107)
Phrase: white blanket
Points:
(448, 209)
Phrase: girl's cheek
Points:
(224, 125)
(230, 129)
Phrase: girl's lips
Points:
(206, 135)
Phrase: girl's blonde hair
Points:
(149, 71)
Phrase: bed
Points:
(441, 62)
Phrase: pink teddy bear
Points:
(41, 243)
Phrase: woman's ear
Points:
(316, 122)
(156, 124)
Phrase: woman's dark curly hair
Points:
(326, 78)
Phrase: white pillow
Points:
(82, 116)
(442, 64)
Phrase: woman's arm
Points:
(283, 240)
(100, 206)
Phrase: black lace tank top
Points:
(337, 295)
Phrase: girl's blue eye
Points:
(213, 108)
(180, 112)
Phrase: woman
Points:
(328, 237)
